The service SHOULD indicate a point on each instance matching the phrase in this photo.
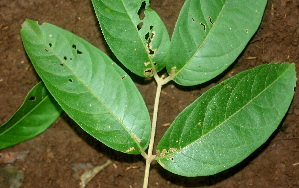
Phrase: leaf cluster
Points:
(214, 133)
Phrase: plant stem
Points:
(150, 157)
(154, 123)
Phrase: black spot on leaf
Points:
(65, 58)
(204, 26)
(139, 26)
(70, 80)
(50, 44)
(151, 52)
(141, 11)
(148, 72)
(79, 52)
(32, 98)
(171, 159)
(74, 46)
(149, 44)
(147, 36)
(210, 19)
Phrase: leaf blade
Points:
(209, 36)
(139, 50)
(36, 114)
(89, 86)
(224, 125)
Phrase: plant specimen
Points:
(217, 131)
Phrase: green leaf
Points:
(228, 122)
(138, 50)
(208, 37)
(37, 113)
(89, 87)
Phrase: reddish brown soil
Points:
(54, 152)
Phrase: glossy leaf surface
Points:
(89, 87)
(228, 122)
(209, 35)
(139, 44)
(36, 114)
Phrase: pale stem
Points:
(150, 156)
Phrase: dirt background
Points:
(54, 153)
